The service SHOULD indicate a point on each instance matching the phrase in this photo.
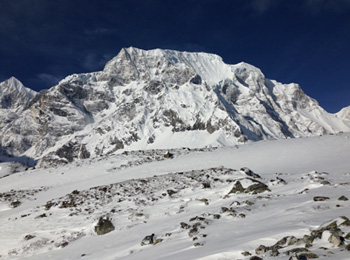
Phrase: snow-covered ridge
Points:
(344, 113)
(150, 99)
(210, 67)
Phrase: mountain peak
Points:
(138, 63)
(13, 94)
(13, 84)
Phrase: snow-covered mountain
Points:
(159, 99)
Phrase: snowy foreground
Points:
(198, 204)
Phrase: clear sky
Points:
(302, 41)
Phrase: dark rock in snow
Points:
(249, 172)
(168, 155)
(307, 255)
(148, 240)
(185, 225)
(261, 250)
(171, 192)
(104, 226)
(343, 198)
(238, 188)
(256, 187)
(197, 80)
(28, 237)
(255, 258)
(320, 198)
(15, 203)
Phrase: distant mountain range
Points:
(155, 99)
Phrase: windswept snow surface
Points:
(186, 200)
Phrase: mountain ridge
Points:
(160, 99)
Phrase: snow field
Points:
(143, 196)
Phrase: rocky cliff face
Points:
(157, 99)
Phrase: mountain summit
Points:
(160, 99)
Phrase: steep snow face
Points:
(161, 99)
(14, 98)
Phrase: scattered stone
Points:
(185, 225)
(28, 237)
(306, 190)
(41, 216)
(257, 188)
(193, 231)
(224, 209)
(237, 188)
(64, 244)
(255, 258)
(280, 243)
(249, 203)
(297, 250)
(308, 255)
(168, 155)
(261, 250)
(216, 216)
(171, 192)
(206, 185)
(280, 180)
(274, 252)
(308, 239)
(148, 240)
(246, 253)
(48, 205)
(320, 198)
(249, 172)
(15, 203)
(104, 226)
(206, 202)
(198, 244)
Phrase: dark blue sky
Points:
(302, 41)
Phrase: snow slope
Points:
(188, 201)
